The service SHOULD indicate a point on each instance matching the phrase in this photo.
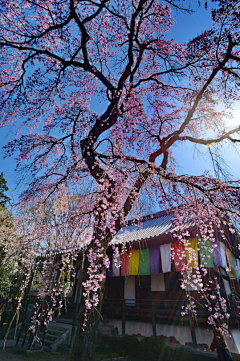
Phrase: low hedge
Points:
(149, 348)
(125, 345)
(236, 357)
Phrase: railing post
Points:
(25, 298)
(74, 327)
(194, 339)
(123, 323)
(154, 325)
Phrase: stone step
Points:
(47, 343)
(47, 349)
(60, 326)
(54, 332)
(48, 340)
(51, 337)
(66, 321)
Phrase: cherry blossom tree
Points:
(100, 95)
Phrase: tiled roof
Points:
(150, 226)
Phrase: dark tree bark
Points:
(86, 338)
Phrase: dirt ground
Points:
(10, 354)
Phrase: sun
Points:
(235, 120)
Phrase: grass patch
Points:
(38, 356)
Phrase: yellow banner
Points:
(133, 263)
(191, 252)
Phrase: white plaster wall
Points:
(181, 333)
(131, 327)
(204, 335)
(234, 341)
(142, 328)
(115, 323)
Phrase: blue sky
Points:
(186, 28)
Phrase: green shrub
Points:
(148, 349)
(236, 357)
(107, 344)
(182, 354)
(151, 348)
(126, 345)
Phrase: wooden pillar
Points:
(194, 339)
(123, 323)
(154, 325)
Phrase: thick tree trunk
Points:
(84, 348)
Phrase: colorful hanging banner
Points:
(206, 253)
(217, 258)
(179, 256)
(165, 251)
(238, 267)
(223, 255)
(233, 267)
(133, 262)
(125, 263)
(191, 252)
(144, 263)
(154, 258)
(228, 258)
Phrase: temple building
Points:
(155, 283)
(144, 295)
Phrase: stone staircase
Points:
(56, 335)
(67, 316)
